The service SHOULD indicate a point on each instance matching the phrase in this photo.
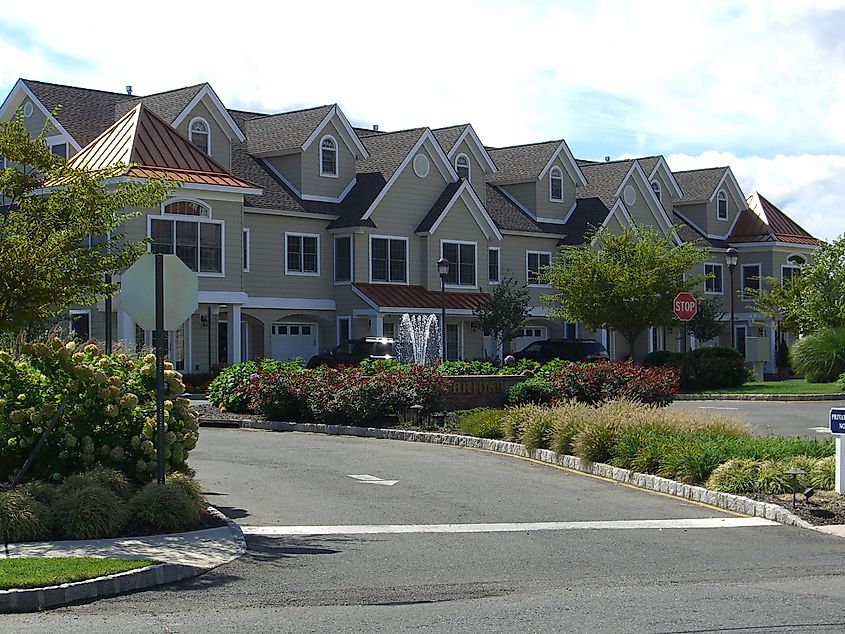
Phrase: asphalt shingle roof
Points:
(698, 185)
(603, 180)
(506, 214)
(447, 137)
(283, 132)
(521, 162)
(167, 105)
(439, 205)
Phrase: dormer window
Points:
(462, 166)
(722, 205)
(655, 186)
(556, 185)
(328, 157)
(199, 135)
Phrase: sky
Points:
(758, 85)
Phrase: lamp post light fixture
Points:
(443, 271)
(731, 258)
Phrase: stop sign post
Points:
(152, 273)
(685, 307)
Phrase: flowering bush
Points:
(612, 380)
(230, 390)
(109, 417)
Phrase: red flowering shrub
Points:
(613, 380)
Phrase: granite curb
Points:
(760, 397)
(36, 599)
(726, 501)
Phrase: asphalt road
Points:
(613, 579)
(784, 418)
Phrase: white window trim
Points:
(722, 195)
(336, 157)
(721, 278)
(498, 265)
(348, 332)
(75, 313)
(407, 259)
(469, 165)
(544, 333)
(742, 277)
(474, 284)
(527, 253)
(556, 170)
(351, 259)
(460, 326)
(794, 267)
(302, 235)
(661, 344)
(197, 219)
(657, 189)
(208, 133)
(170, 201)
(248, 259)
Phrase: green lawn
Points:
(36, 572)
(792, 386)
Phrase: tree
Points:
(624, 282)
(503, 312)
(709, 319)
(780, 302)
(58, 228)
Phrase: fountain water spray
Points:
(418, 340)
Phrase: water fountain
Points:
(418, 339)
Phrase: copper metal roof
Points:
(412, 296)
(763, 222)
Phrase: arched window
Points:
(722, 205)
(655, 186)
(328, 157)
(462, 166)
(556, 185)
(792, 267)
(199, 135)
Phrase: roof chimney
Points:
(607, 159)
(128, 89)
(375, 127)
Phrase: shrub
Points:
(467, 368)
(550, 367)
(520, 366)
(823, 474)
(109, 418)
(569, 419)
(198, 382)
(89, 512)
(177, 504)
(482, 423)
(771, 478)
(278, 395)
(735, 476)
(714, 367)
(22, 518)
(534, 390)
(111, 479)
(664, 359)
(820, 357)
(516, 419)
(230, 389)
(610, 380)
(537, 430)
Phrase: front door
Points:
(741, 332)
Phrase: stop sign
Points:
(684, 306)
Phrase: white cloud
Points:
(807, 187)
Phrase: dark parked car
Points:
(354, 351)
(566, 349)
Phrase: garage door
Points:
(529, 335)
(289, 341)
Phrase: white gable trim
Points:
(349, 137)
(570, 212)
(476, 147)
(667, 176)
(517, 203)
(476, 209)
(21, 87)
(289, 213)
(619, 211)
(366, 298)
(281, 177)
(440, 160)
(637, 174)
(569, 164)
(329, 199)
(735, 190)
(222, 113)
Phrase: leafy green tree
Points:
(624, 282)
(59, 228)
(709, 319)
(780, 302)
(503, 312)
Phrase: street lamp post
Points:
(443, 271)
(731, 258)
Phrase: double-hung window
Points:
(714, 283)
(556, 185)
(328, 157)
(388, 259)
(302, 251)
(199, 134)
(461, 256)
(750, 280)
(342, 259)
(193, 236)
(722, 205)
(536, 261)
(493, 269)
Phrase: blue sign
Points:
(837, 420)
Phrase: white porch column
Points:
(126, 330)
(772, 364)
(377, 325)
(234, 333)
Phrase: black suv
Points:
(354, 351)
(566, 349)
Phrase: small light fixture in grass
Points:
(794, 473)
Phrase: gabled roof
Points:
(699, 185)
(522, 163)
(450, 139)
(167, 105)
(653, 164)
(460, 189)
(589, 214)
(603, 180)
(510, 216)
(154, 150)
(763, 222)
(283, 133)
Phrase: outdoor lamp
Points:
(443, 271)
(731, 258)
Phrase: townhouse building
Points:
(305, 230)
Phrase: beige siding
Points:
(221, 147)
(545, 208)
(315, 185)
(513, 260)
(697, 214)
(640, 211)
(289, 166)
(665, 193)
(457, 225)
(525, 193)
(476, 171)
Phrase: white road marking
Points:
(728, 408)
(390, 529)
(366, 478)
(820, 430)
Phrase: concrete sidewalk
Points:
(180, 555)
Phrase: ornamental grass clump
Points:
(22, 518)
(482, 423)
(823, 474)
(820, 356)
(111, 479)
(735, 476)
(177, 504)
(89, 512)
(569, 419)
